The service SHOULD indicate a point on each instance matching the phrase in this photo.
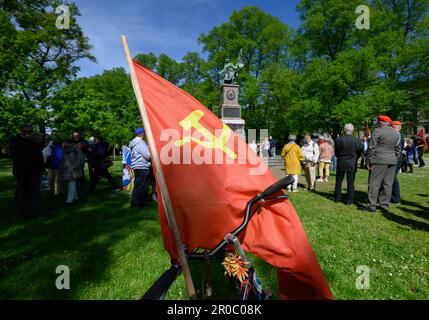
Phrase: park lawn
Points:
(115, 252)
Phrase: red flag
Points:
(209, 197)
(423, 135)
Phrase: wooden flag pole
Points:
(165, 196)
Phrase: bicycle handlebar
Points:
(281, 184)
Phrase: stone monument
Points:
(231, 109)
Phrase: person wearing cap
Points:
(326, 152)
(383, 154)
(293, 157)
(141, 165)
(347, 150)
(310, 151)
(396, 195)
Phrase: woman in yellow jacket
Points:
(293, 157)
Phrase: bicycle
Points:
(250, 288)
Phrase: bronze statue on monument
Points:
(230, 70)
(231, 109)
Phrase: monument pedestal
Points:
(231, 109)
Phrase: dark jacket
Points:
(384, 146)
(347, 151)
(81, 144)
(99, 152)
(27, 157)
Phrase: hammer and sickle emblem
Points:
(193, 121)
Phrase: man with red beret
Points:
(383, 154)
(385, 119)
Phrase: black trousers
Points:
(404, 164)
(101, 172)
(420, 152)
(141, 184)
(350, 185)
(396, 194)
(27, 196)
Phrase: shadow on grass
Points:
(81, 236)
(360, 197)
(416, 225)
(421, 212)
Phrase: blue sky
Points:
(159, 26)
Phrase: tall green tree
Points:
(103, 104)
(165, 66)
(39, 58)
(351, 75)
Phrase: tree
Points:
(149, 60)
(166, 67)
(352, 75)
(102, 104)
(43, 58)
(401, 39)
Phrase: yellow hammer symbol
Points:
(193, 121)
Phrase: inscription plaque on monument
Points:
(231, 109)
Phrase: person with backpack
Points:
(293, 157)
(141, 165)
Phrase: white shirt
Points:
(266, 145)
(310, 151)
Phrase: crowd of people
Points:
(35, 156)
(265, 148)
(384, 153)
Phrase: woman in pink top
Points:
(326, 154)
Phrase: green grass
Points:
(115, 252)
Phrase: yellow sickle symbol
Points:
(193, 121)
